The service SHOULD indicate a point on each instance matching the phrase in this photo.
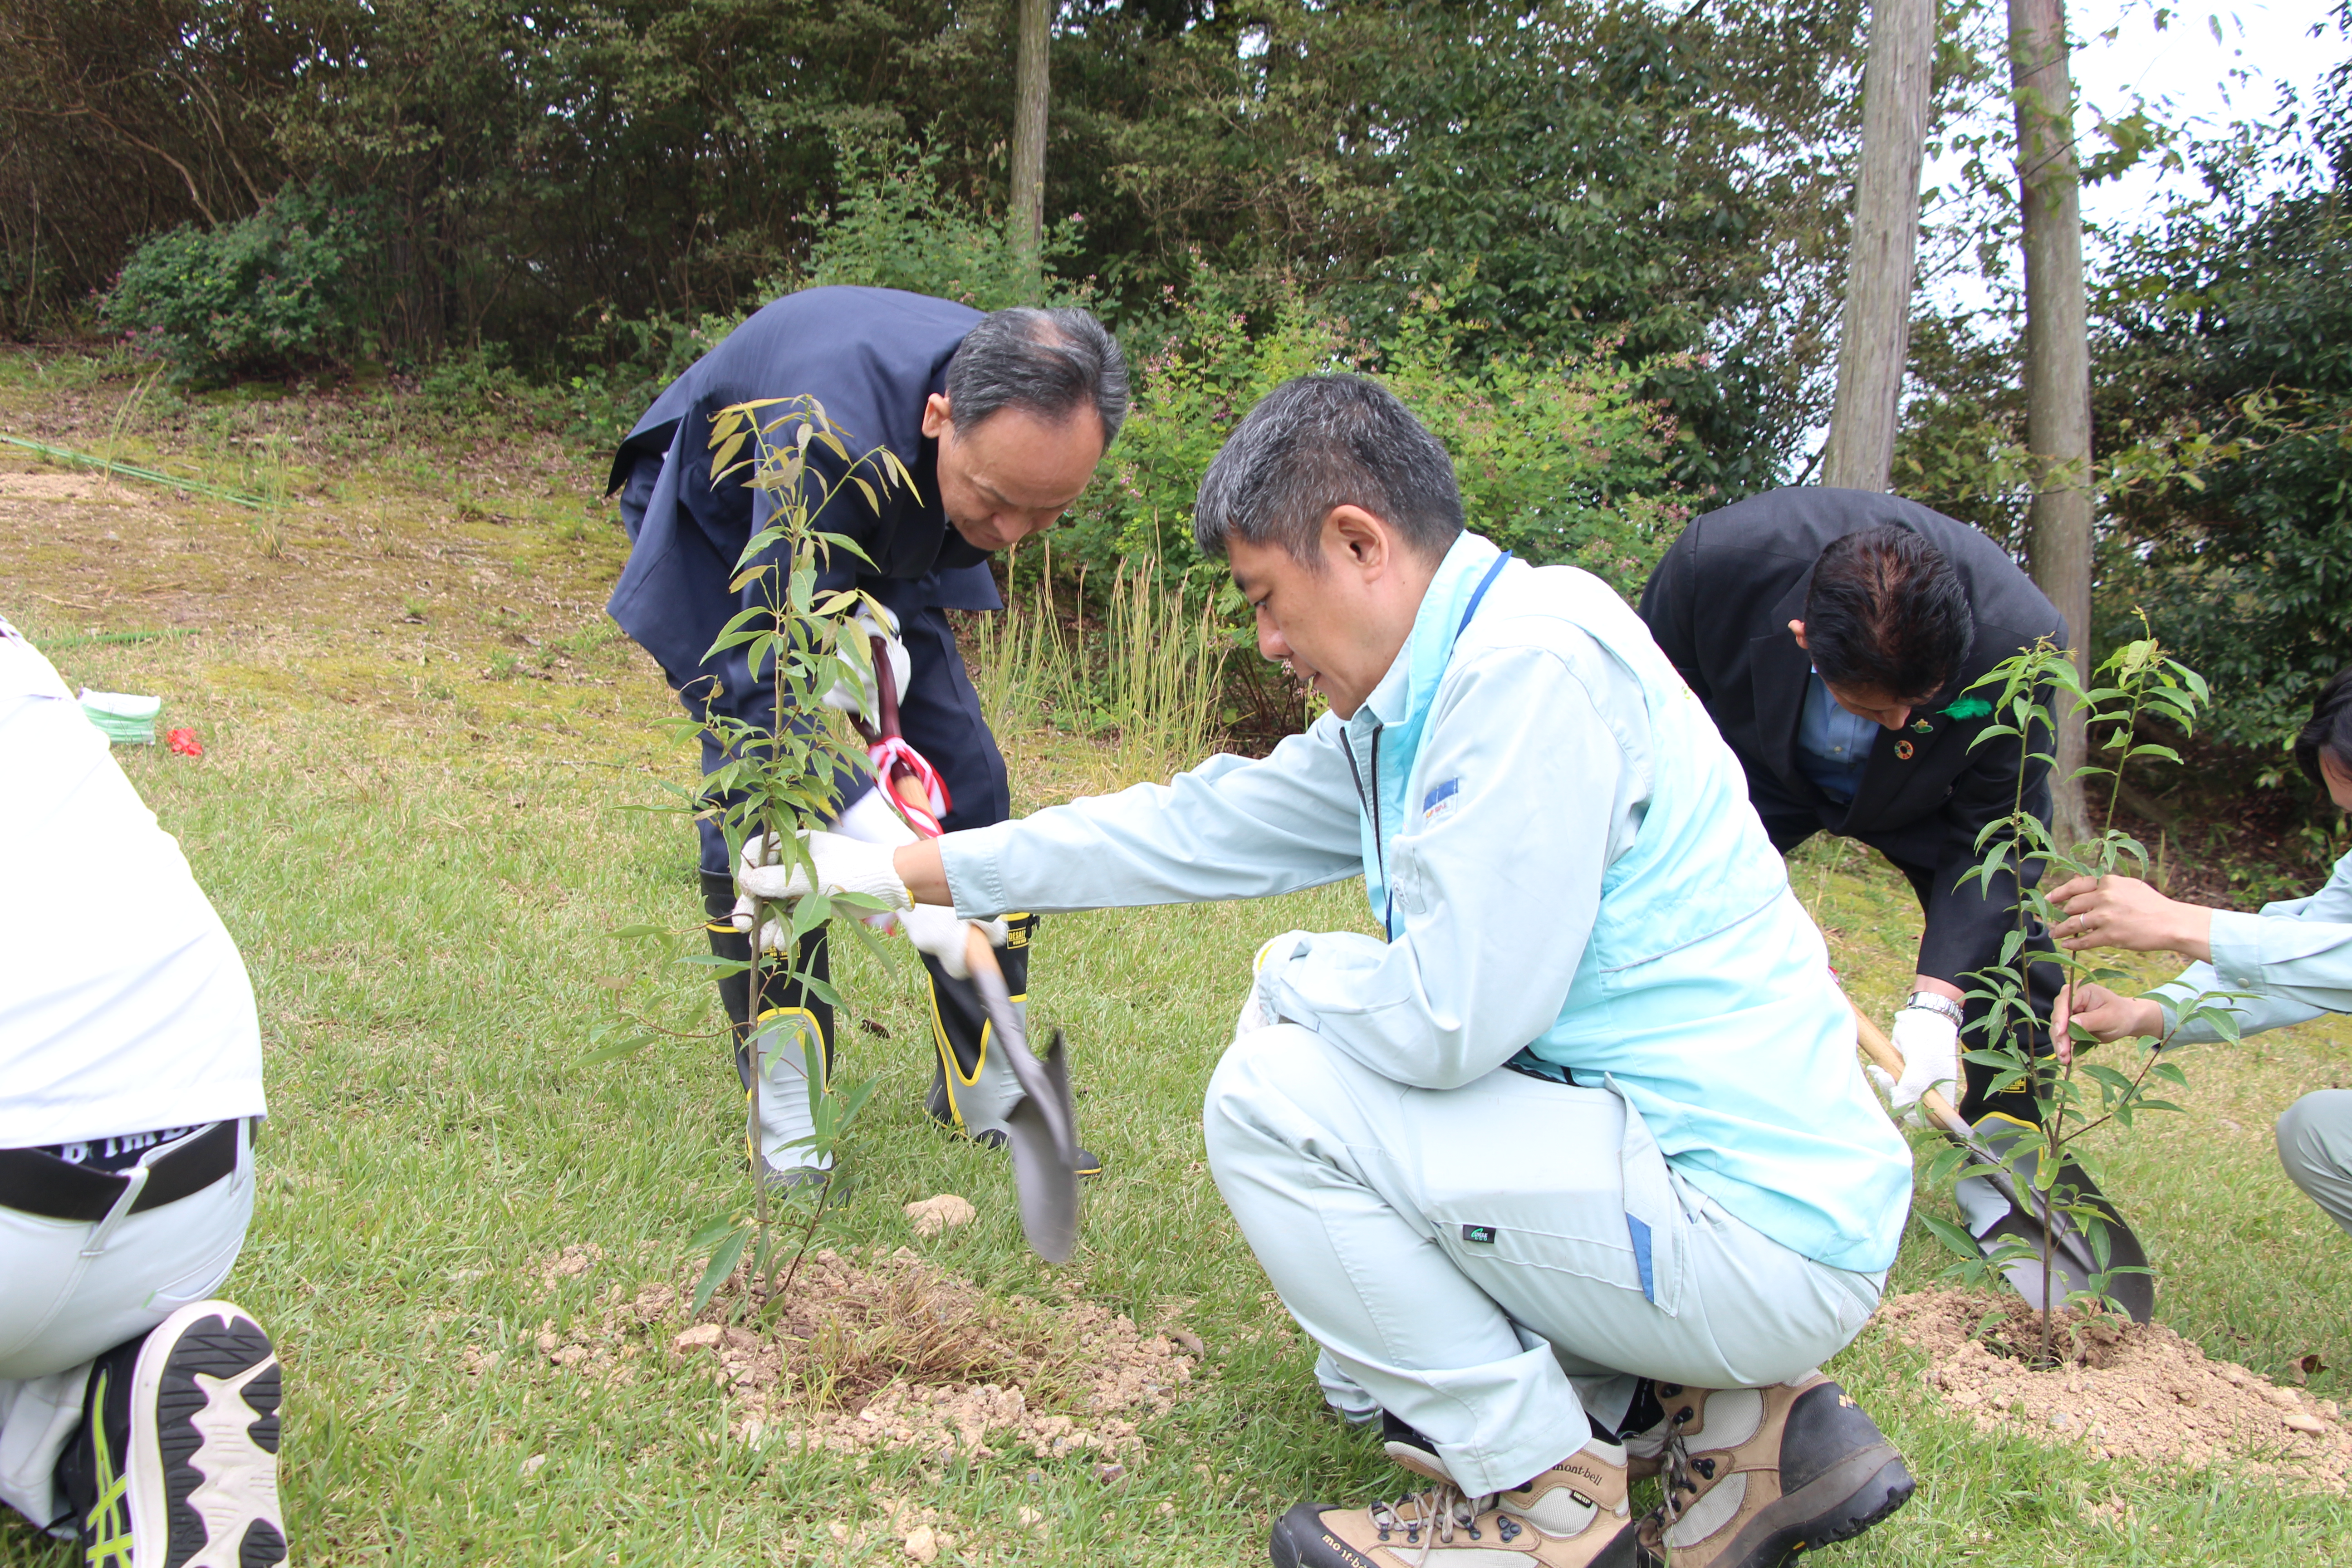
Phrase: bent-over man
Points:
(1833, 636)
(1002, 420)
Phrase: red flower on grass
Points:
(183, 743)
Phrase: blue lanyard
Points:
(1388, 912)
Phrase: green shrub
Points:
(1557, 459)
(898, 230)
(284, 289)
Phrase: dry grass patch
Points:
(877, 1350)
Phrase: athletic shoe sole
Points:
(203, 1442)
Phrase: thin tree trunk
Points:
(1881, 262)
(2057, 359)
(1029, 96)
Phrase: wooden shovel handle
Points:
(1880, 1049)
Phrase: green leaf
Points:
(711, 1229)
(630, 934)
(618, 1050)
(1959, 1241)
(722, 1264)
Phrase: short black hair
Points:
(1887, 611)
(2330, 729)
(1046, 363)
(1317, 442)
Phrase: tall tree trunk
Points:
(1881, 262)
(1029, 95)
(2057, 358)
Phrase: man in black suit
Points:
(1831, 635)
(1002, 420)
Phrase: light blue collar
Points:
(1390, 723)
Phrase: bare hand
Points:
(2126, 912)
(2107, 1014)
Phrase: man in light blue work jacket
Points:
(1573, 1177)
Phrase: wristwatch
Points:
(1928, 1002)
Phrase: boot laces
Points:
(1439, 1514)
(1685, 1479)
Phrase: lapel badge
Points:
(1921, 725)
(1903, 751)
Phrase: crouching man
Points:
(1572, 1176)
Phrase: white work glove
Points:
(934, 928)
(843, 865)
(1930, 1044)
(856, 695)
(1275, 952)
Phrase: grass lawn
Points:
(416, 813)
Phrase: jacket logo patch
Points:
(1440, 801)
(1481, 1233)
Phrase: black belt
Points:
(34, 1181)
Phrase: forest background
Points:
(1598, 244)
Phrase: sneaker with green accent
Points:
(175, 1464)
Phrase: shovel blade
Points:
(1997, 1220)
(1041, 1133)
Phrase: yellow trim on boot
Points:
(812, 1029)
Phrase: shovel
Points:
(1999, 1211)
(1041, 1127)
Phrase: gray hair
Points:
(1046, 363)
(1318, 442)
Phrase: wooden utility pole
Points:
(1029, 96)
(1882, 259)
(2057, 359)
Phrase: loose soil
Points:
(872, 1351)
(2128, 1390)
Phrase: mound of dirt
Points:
(877, 1351)
(2126, 1390)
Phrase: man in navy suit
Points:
(1001, 419)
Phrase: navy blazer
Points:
(872, 356)
(1720, 606)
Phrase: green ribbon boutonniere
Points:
(1969, 708)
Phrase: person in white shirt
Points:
(136, 1412)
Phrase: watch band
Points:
(1928, 1001)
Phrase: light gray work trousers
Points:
(2315, 1144)
(1463, 1256)
(70, 1291)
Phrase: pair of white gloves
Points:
(1930, 1044)
(856, 857)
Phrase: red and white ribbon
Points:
(892, 757)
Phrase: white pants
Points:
(60, 1310)
(1488, 1263)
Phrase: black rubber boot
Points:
(787, 1010)
(972, 1087)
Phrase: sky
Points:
(2204, 67)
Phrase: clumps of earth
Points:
(869, 1350)
(2135, 1391)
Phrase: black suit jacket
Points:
(1721, 604)
(871, 356)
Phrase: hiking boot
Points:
(1755, 1476)
(1574, 1515)
(176, 1459)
